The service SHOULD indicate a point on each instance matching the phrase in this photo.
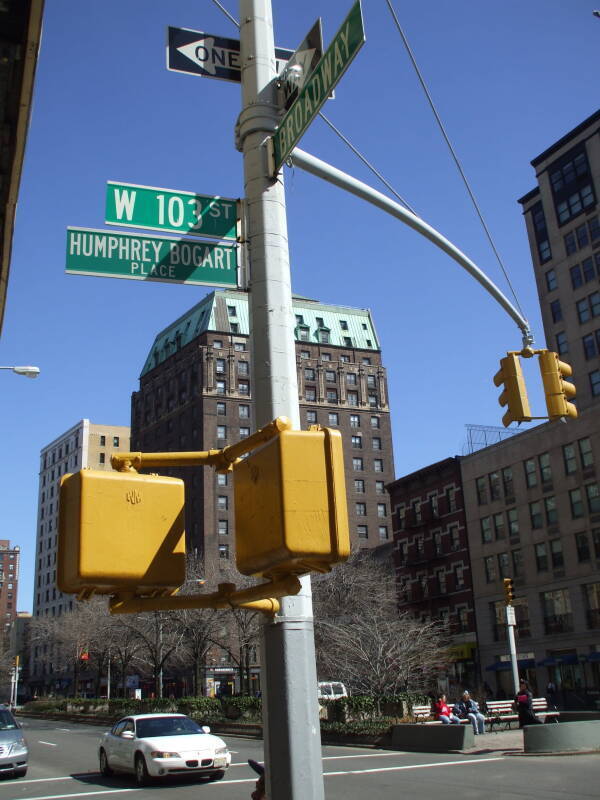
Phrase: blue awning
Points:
(556, 661)
(522, 663)
(594, 656)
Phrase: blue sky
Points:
(508, 80)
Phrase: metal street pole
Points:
(510, 626)
(291, 719)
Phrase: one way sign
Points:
(199, 53)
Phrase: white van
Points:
(331, 690)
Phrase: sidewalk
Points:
(501, 742)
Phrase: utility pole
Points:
(291, 719)
(509, 596)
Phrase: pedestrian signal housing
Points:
(291, 515)
(120, 531)
(514, 396)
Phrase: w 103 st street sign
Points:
(169, 210)
(345, 45)
(147, 258)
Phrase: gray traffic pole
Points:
(510, 627)
(289, 680)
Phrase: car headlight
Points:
(18, 746)
(221, 751)
(161, 754)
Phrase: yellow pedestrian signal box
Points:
(291, 515)
(120, 531)
(556, 389)
(514, 396)
(509, 592)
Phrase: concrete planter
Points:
(563, 738)
(422, 738)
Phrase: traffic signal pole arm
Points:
(222, 460)
(321, 169)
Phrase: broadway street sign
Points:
(198, 53)
(345, 45)
(149, 258)
(168, 210)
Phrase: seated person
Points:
(467, 708)
(443, 713)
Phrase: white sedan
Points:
(156, 745)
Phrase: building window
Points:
(551, 512)
(239, 347)
(359, 486)
(311, 416)
(333, 418)
(379, 487)
(360, 509)
(343, 325)
(217, 344)
(221, 479)
(593, 498)
(378, 465)
(344, 358)
(569, 459)
(486, 529)
(224, 551)
(583, 547)
(311, 394)
(362, 531)
(495, 493)
(481, 487)
(220, 366)
(357, 464)
(503, 565)
(330, 376)
(585, 453)
(244, 433)
(499, 526)
(551, 283)
(375, 422)
(570, 243)
(221, 409)
(244, 411)
(517, 563)
(541, 557)
(530, 473)
(231, 311)
(356, 441)
(381, 510)
(556, 554)
(304, 354)
(535, 515)
(351, 378)
(489, 564)
(576, 503)
(244, 387)
(562, 345)
(102, 444)
(376, 443)
(243, 368)
(556, 311)
(325, 356)
(545, 469)
(222, 502)
(372, 398)
(221, 431)
(223, 527)
(309, 373)
(115, 441)
(354, 420)
(595, 383)
(221, 387)
(332, 395)
(352, 398)
(383, 533)
(454, 538)
(557, 611)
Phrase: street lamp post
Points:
(28, 372)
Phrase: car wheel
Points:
(20, 773)
(104, 765)
(216, 776)
(142, 778)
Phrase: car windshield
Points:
(7, 722)
(166, 726)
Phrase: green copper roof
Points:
(221, 311)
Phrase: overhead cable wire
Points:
(367, 163)
(227, 14)
(452, 151)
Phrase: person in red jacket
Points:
(443, 712)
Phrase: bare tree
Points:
(364, 641)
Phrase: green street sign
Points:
(167, 210)
(336, 59)
(140, 257)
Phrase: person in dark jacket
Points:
(467, 708)
(524, 706)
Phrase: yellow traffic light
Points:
(120, 531)
(290, 505)
(509, 592)
(514, 396)
(556, 389)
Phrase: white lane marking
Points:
(81, 794)
(415, 766)
(50, 744)
(65, 730)
(368, 755)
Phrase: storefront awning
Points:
(593, 656)
(555, 661)
(522, 663)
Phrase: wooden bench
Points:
(503, 712)
(425, 715)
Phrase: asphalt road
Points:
(63, 764)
